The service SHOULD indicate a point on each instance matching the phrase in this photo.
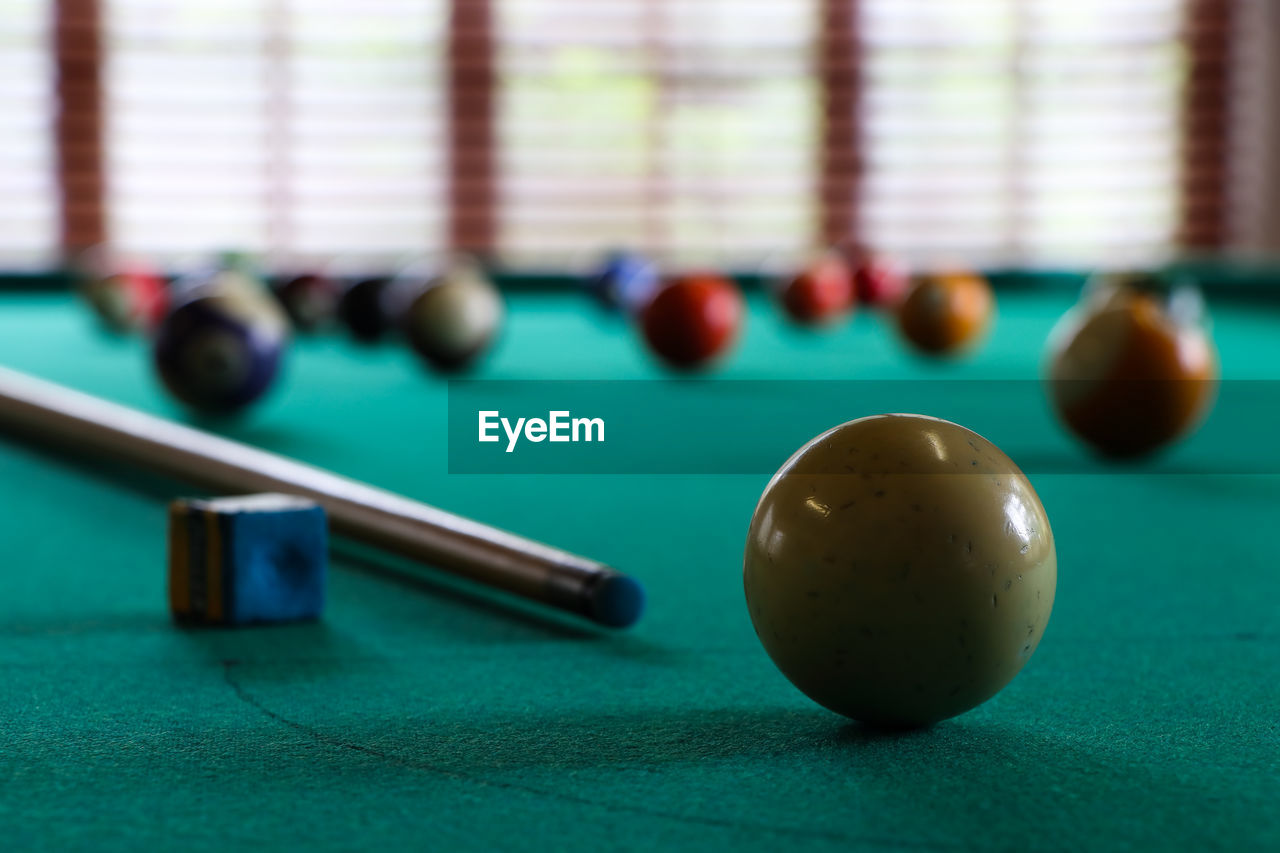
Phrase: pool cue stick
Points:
(55, 414)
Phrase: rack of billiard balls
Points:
(690, 319)
(1131, 368)
(220, 334)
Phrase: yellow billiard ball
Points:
(900, 569)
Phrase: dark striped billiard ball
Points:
(218, 353)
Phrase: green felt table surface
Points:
(419, 713)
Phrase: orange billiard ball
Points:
(693, 319)
(946, 313)
(820, 293)
(1132, 371)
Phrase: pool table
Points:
(425, 713)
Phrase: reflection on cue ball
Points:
(900, 569)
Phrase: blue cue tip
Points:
(617, 601)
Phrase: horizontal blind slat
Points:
(279, 125)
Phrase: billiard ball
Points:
(693, 319)
(879, 281)
(219, 352)
(310, 299)
(126, 296)
(362, 309)
(899, 570)
(1131, 370)
(821, 292)
(215, 280)
(626, 282)
(455, 317)
(945, 313)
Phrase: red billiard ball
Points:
(1130, 371)
(820, 293)
(946, 313)
(693, 319)
(128, 296)
(878, 281)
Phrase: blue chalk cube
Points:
(250, 559)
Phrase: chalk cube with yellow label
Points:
(245, 560)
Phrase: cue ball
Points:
(900, 570)
(946, 313)
(220, 352)
(454, 319)
(1130, 372)
(693, 320)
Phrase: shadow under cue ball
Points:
(900, 570)
(455, 319)
(946, 313)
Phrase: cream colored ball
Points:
(900, 569)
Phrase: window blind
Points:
(28, 188)
(685, 129)
(1022, 131)
(985, 132)
(302, 130)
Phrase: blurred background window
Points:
(1026, 131)
(28, 186)
(985, 132)
(302, 129)
(688, 129)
